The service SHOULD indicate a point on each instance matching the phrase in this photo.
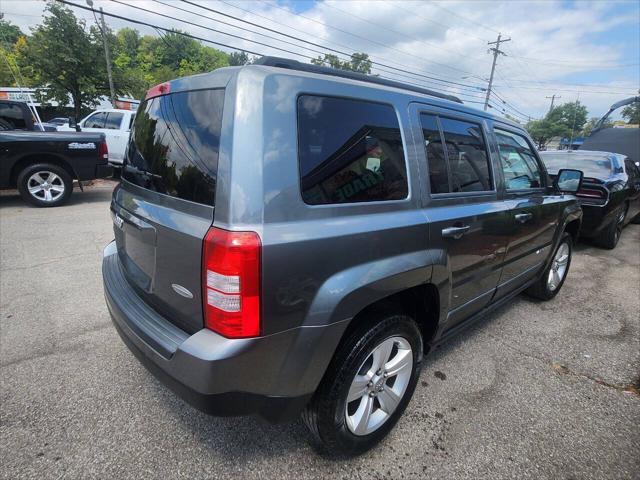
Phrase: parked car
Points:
(292, 238)
(610, 193)
(15, 115)
(43, 165)
(114, 123)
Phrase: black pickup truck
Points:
(43, 165)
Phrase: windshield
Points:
(174, 144)
(598, 167)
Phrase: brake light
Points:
(231, 282)
(591, 193)
(161, 89)
(103, 151)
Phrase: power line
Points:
(438, 24)
(195, 37)
(415, 39)
(368, 40)
(402, 73)
(348, 55)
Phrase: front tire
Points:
(552, 279)
(45, 185)
(367, 385)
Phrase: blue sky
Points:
(567, 48)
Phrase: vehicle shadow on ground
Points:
(91, 194)
(250, 438)
(238, 438)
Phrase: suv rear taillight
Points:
(103, 151)
(231, 282)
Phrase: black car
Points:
(610, 193)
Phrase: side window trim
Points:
(485, 137)
(541, 167)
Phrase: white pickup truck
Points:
(115, 124)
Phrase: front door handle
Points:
(523, 217)
(455, 232)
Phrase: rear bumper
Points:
(595, 218)
(273, 376)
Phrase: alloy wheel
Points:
(558, 266)
(379, 386)
(45, 186)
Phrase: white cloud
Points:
(447, 40)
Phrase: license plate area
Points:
(136, 241)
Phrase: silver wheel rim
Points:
(378, 386)
(558, 267)
(45, 186)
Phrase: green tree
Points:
(567, 118)
(541, 131)
(237, 59)
(66, 60)
(631, 113)
(9, 33)
(359, 62)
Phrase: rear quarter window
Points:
(349, 151)
(174, 145)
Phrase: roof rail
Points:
(307, 67)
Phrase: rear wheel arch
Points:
(573, 229)
(421, 302)
(36, 158)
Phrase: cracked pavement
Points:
(536, 390)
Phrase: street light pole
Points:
(102, 26)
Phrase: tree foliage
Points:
(359, 62)
(63, 58)
(565, 120)
(631, 113)
(66, 59)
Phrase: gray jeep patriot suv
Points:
(290, 238)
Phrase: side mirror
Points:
(568, 181)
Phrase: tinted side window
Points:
(173, 148)
(12, 115)
(519, 165)
(114, 120)
(96, 120)
(467, 155)
(349, 151)
(436, 160)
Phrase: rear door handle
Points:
(455, 232)
(523, 217)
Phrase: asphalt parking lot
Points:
(537, 390)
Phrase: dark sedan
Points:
(610, 192)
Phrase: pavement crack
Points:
(632, 388)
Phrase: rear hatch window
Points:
(165, 204)
(174, 145)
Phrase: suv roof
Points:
(308, 67)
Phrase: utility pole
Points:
(553, 98)
(107, 54)
(496, 51)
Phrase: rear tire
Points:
(45, 185)
(364, 369)
(552, 279)
(610, 235)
